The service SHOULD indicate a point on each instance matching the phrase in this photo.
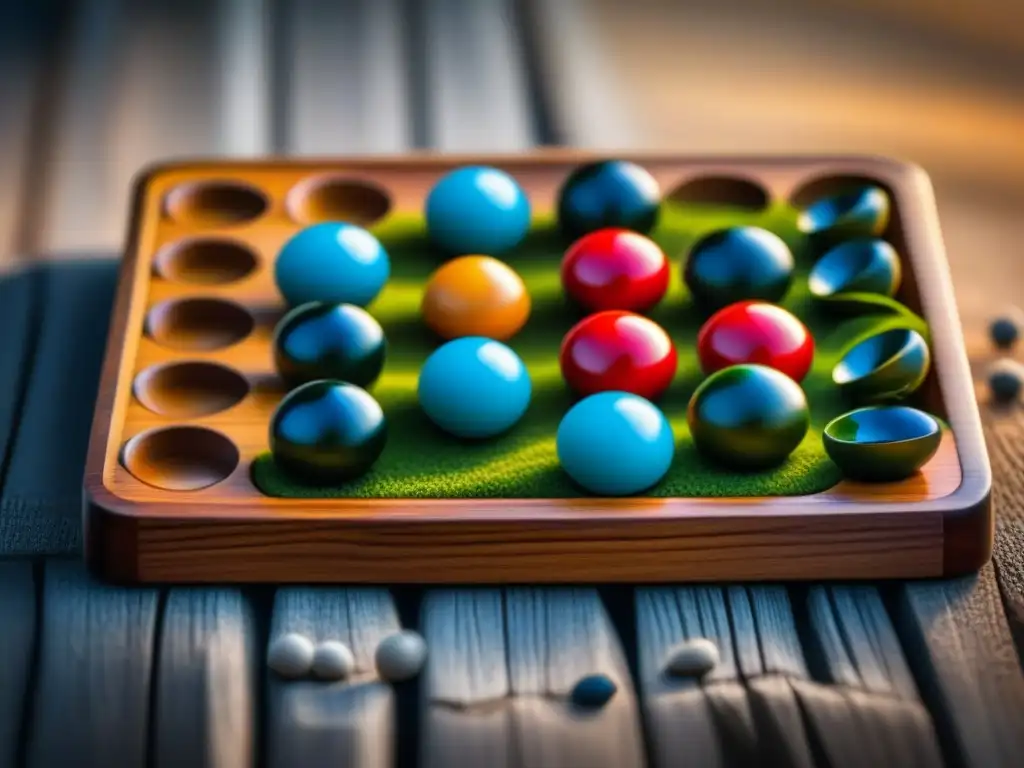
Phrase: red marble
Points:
(755, 332)
(618, 351)
(615, 269)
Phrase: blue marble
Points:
(477, 210)
(333, 262)
(615, 444)
(1004, 332)
(474, 387)
(593, 691)
(608, 193)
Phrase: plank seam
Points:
(924, 674)
(29, 695)
(37, 288)
(154, 677)
(815, 658)
(414, 30)
(741, 675)
(280, 72)
(261, 601)
(543, 127)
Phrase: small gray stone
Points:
(333, 661)
(692, 658)
(401, 656)
(291, 655)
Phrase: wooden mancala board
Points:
(188, 387)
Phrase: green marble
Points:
(885, 366)
(859, 266)
(748, 417)
(860, 212)
(882, 443)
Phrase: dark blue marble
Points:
(593, 691)
(1004, 332)
(608, 193)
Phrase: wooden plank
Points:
(143, 82)
(345, 80)
(27, 49)
(874, 700)
(499, 674)
(718, 720)
(351, 722)
(19, 302)
(205, 700)
(41, 502)
(959, 646)
(584, 89)
(466, 718)
(91, 699)
(475, 75)
(18, 608)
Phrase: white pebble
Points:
(333, 661)
(401, 656)
(291, 655)
(692, 658)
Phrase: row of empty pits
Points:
(189, 457)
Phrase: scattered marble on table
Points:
(692, 658)
(1005, 330)
(333, 660)
(291, 655)
(400, 656)
(1005, 380)
(593, 691)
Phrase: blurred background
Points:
(93, 90)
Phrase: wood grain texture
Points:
(28, 33)
(204, 707)
(500, 670)
(141, 82)
(17, 641)
(475, 75)
(91, 699)
(352, 723)
(744, 709)
(42, 496)
(345, 79)
(873, 698)
(848, 532)
(957, 640)
(19, 304)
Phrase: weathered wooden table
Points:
(838, 675)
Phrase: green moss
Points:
(422, 462)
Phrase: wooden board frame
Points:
(938, 523)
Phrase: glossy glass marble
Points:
(748, 417)
(862, 265)
(887, 366)
(737, 264)
(608, 193)
(332, 262)
(327, 432)
(616, 351)
(756, 332)
(329, 341)
(477, 210)
(859, 212)
(882, 443)
(615, 444)
(474, 387)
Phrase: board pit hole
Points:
(189, 389)
(724, 191)
(214, 203)
(338, 199)
(182, 458)
(205, 262)
(821, 187)
(198, 324)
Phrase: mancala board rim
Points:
(133, 541)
